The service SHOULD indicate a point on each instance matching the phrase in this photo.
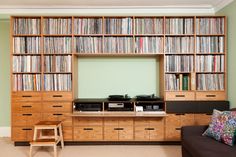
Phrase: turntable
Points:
(119, 97)
(151, 97)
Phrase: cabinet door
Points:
(187, 120)
(141, 133)
(29, 107)
(173, 127)
(202, 119)
(126, 133)
(57, 107)
(156, 129)
(25, 119)
(64, 117)
(111, 133)
(67, 133)
(87, 121)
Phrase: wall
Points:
(230, 12)
(4, 73)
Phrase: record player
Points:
(151, 97)
(119, 97)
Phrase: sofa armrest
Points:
(192, 130)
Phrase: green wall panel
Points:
(230, 12)
(4, 73)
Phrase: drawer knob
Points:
(118, 128)
(149, 129)
(26, 129)
(57, 114)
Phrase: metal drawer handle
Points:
(26, 114)
(57, 106)
(88, 128)
(177, 128)
(180, 96)
(26, 129)
(211, 95)
(57, 95)
(26, 96)
(57, 114)
(26, 106)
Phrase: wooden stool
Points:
(47, 140)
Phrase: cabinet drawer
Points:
(26, 107)
(173, 133)
(25, 119)
(87, 121)
(57, 96)
(26, 96)
(64, 117)
(92, 133)
(202, 119)
(57, 107)
(180, 96)
(210, 95)
(22, 133)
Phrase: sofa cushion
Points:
(223, 127)
(203, 146)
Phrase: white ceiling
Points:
(73, 7)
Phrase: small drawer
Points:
(26, 96)
(22, 133)
(26, 107)
(210, 95)
(93, 133)
(180, 96)
(57, 107)
(60, 116)
(25, 119)
(57, 96)
(87, 121)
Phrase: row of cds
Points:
(57, 45)
(26, 64)
(26, 45)
(209, 63)
(149, 44)
(118, 45)
(179, 45)
(210, 25)
(210, 44)
(57, 63)
(210, 82)
(57, 82)
(122, 25)
(26, 82)
(148, 26)
(179, 63)
(57, 26)
(179, 26)
(88, 26)
(94, 46)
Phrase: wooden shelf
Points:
(116, 54)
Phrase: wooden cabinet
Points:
(173, 124)
(149, 129)
(118, 129)
(88, 129)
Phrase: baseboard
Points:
(5, 131)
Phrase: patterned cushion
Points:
(223, 127)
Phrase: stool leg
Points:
(55, 150)
(35, 134)
(61, 136)
(30, 152)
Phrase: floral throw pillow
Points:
(223, 127)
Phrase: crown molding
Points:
(102, 10)
(221, 5)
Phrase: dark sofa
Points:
(196, 145)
